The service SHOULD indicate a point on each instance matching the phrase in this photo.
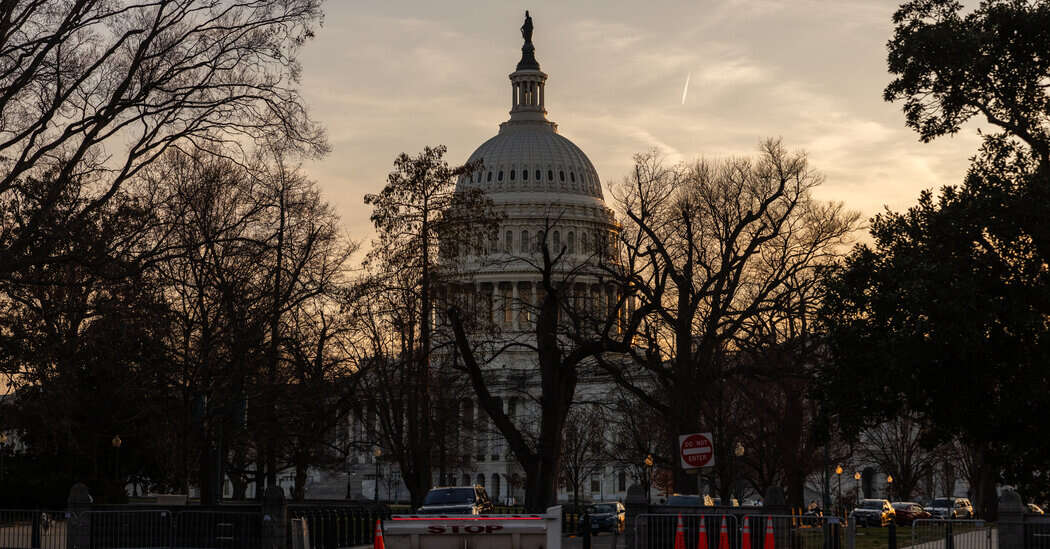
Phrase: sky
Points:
(389, 76)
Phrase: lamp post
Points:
(856, 476)
(3, 450)
(116, 442)
(378, 452)
(889, 486)
(648, 478)
(838, 474)
(738, 451)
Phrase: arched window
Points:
(494, 491)
(524, 175)
(490, 175)
(561, 174)
(524, 242)
(481, 480)
(537, 175)
(557, 243)
(508, 245)
(583, 243)
(572, 176)
(512, 175)
(572, 243)
(499, 177)
(466, 479)
(550, 175)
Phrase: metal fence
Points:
(951, 534)
(332, 527)
(751, 531)
(167, 529)
(1036, 534)
(25, 529)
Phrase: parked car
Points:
(951, 508)
(690, 500)
(684, 500)
(907, 512)
(606, 517)
(717, 502)
(456, 500)
(874, 512)
(1035, 509)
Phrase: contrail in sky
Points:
(685, 90)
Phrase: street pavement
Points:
(600, 541)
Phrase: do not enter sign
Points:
(696, 450)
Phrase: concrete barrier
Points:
(523, 531)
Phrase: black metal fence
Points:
(331, 526)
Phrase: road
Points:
(600, 541)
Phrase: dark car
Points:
(951, 508)
(908, 512)
(874, 512)
(456, 500)
(605, 517)
(684, 500)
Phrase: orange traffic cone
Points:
(702, 543)
(377, 542)
(723, 536)
(770, 542)
(679, 534)
(745, 535)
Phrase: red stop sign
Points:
(697, 450)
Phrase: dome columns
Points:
(528, 101)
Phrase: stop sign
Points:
(696, 450)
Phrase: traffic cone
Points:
(723, 536)
(377, 542)
(745, 535)
(679, 534)
(702, 543)
(770, 542)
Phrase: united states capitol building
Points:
(544, 186)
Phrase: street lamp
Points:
(648, 478)
(838, 474)
(856, 476)
(378, 452)
(116, 442)
(889, 485)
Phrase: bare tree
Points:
(583, 448)
(569, 334)
(421, 219)
(712, 248)
(95, 90)
(896, 446)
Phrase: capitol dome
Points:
(528, 156)
(547, 191)
(533, 157)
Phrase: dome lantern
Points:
(527, 82)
